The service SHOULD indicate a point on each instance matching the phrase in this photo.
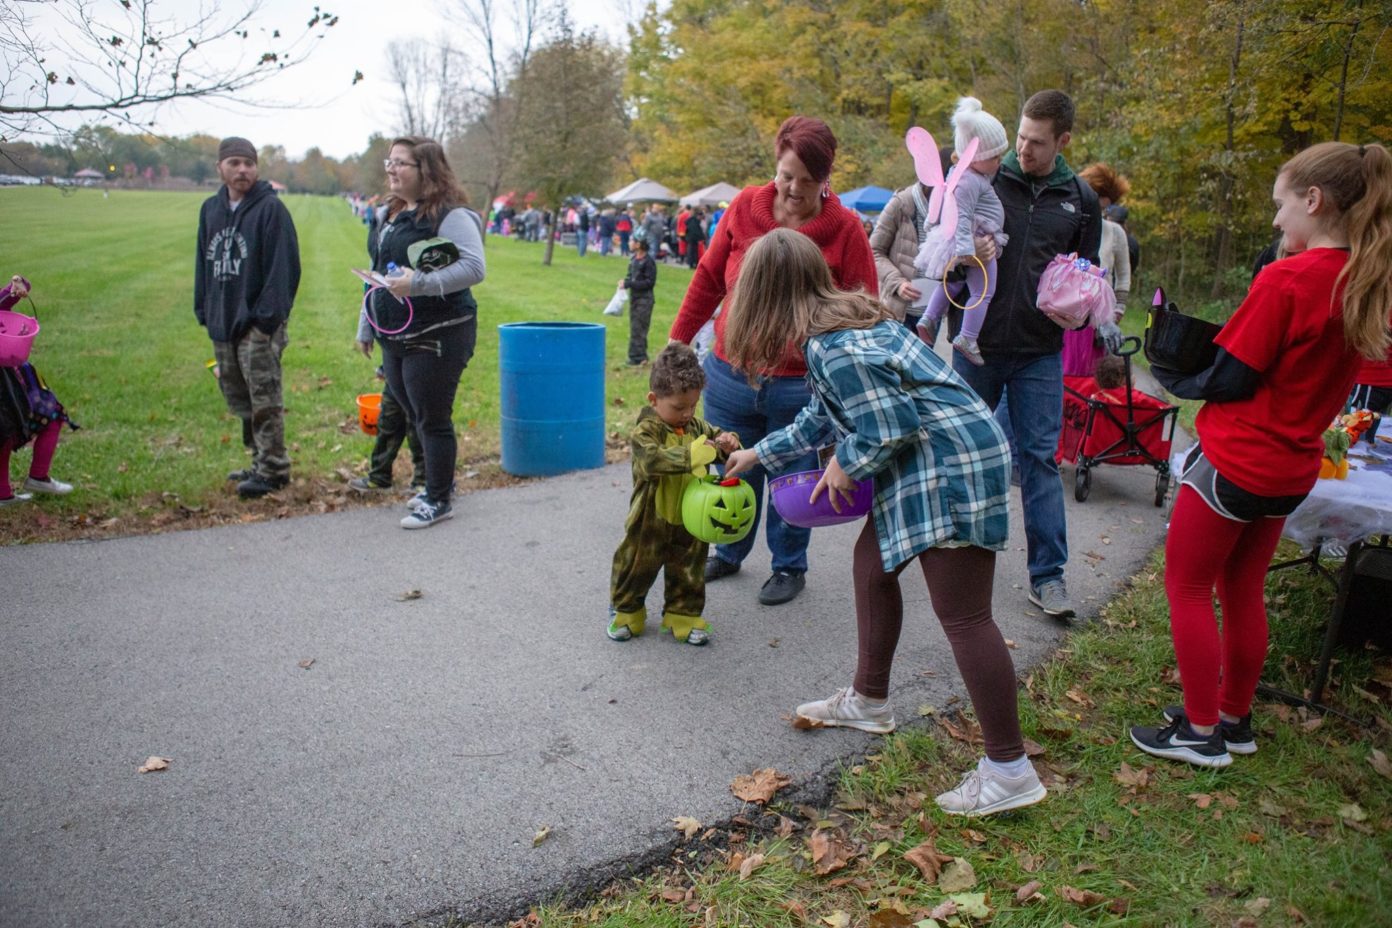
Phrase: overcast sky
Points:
(318, 104)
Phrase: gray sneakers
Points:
(985, 791)
(1052, 597)
(846, 709)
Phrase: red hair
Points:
(811, 141)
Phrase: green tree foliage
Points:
(1199, 103)
(571, 124)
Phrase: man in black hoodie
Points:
(244, 284)
(1048, 212)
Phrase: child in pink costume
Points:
(979, 212)
(28, 412)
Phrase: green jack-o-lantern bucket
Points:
(719, 512)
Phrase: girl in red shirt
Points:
(1286, 360)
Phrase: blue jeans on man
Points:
(1034, 399)
(731, 404)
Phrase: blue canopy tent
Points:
(866, 199)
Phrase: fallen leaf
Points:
(1081, 897)
(1352, 812)
(1380, 763)
(1267, 807)
(1255, 907)
(1030, 863)
(1119, 906)
(1254, 837)
(409, 595)
(760, 786)
(786, 826)
(541, 835)
(829, 852)
(795, 909)
(889, 918)
(153, 763)
(837, 919)
(1029, 892)
(1086, 868)
(881, 849)
(1130, 776)
(1313, 722)
(307, 663)
(1202, 800)
(673, 895)
(943, 910)
(972, 905)
(1033, 748)
(751, 863)
(1010, 643)
(957, 876)
(686, 825)
(928, 861)
(1079, 697)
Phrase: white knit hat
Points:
(969, 122)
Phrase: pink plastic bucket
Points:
(792, 494)
(17, 333)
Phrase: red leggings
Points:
(1204, 551)
(44, 445)
(959, 585)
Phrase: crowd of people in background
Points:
(675, 237)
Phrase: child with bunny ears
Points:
(979, 142)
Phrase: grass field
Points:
(113, 283)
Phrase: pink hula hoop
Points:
(410, 313)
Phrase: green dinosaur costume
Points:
(665, 460)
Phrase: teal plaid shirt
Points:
(940, 462)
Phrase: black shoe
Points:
(1177, 741)
(237, 476)
(717, 567)
(781, 588)
(1236, 735)
(257, 486)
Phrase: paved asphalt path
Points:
(404, 774)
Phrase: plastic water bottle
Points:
(393, 270)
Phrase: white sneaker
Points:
(983, 791)
(427, 514)
(17, 498)
(55, 487)
(846, 709)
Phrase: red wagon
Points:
(1123, 426)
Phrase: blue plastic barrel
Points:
(552, 385)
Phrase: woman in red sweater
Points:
(1285, 363)
(797, 198)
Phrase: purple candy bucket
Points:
(791, 494)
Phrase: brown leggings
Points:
(959, 585)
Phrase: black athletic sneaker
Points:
(1236, 735)
(258, 485)
(1177, 741)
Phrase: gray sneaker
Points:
(983, 791)
(846, 709)
(1052, 597)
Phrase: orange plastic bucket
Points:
(369, 406)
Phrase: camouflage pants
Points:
(652, 544)
(250, 378)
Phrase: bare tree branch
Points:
(124, 58)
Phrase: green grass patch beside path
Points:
(113, 282)
(1298, 834)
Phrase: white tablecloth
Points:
(1342, 511)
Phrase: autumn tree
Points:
(570, 122)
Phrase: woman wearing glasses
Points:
(425, 348)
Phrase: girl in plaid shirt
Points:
(941, 468)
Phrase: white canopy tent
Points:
(642, 190)
(713, 195)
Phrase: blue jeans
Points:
(731, 404)
(582, 239)
(1035, 403)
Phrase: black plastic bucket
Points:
(1179, 342)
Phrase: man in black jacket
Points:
(244, 283)
(1048, 211)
